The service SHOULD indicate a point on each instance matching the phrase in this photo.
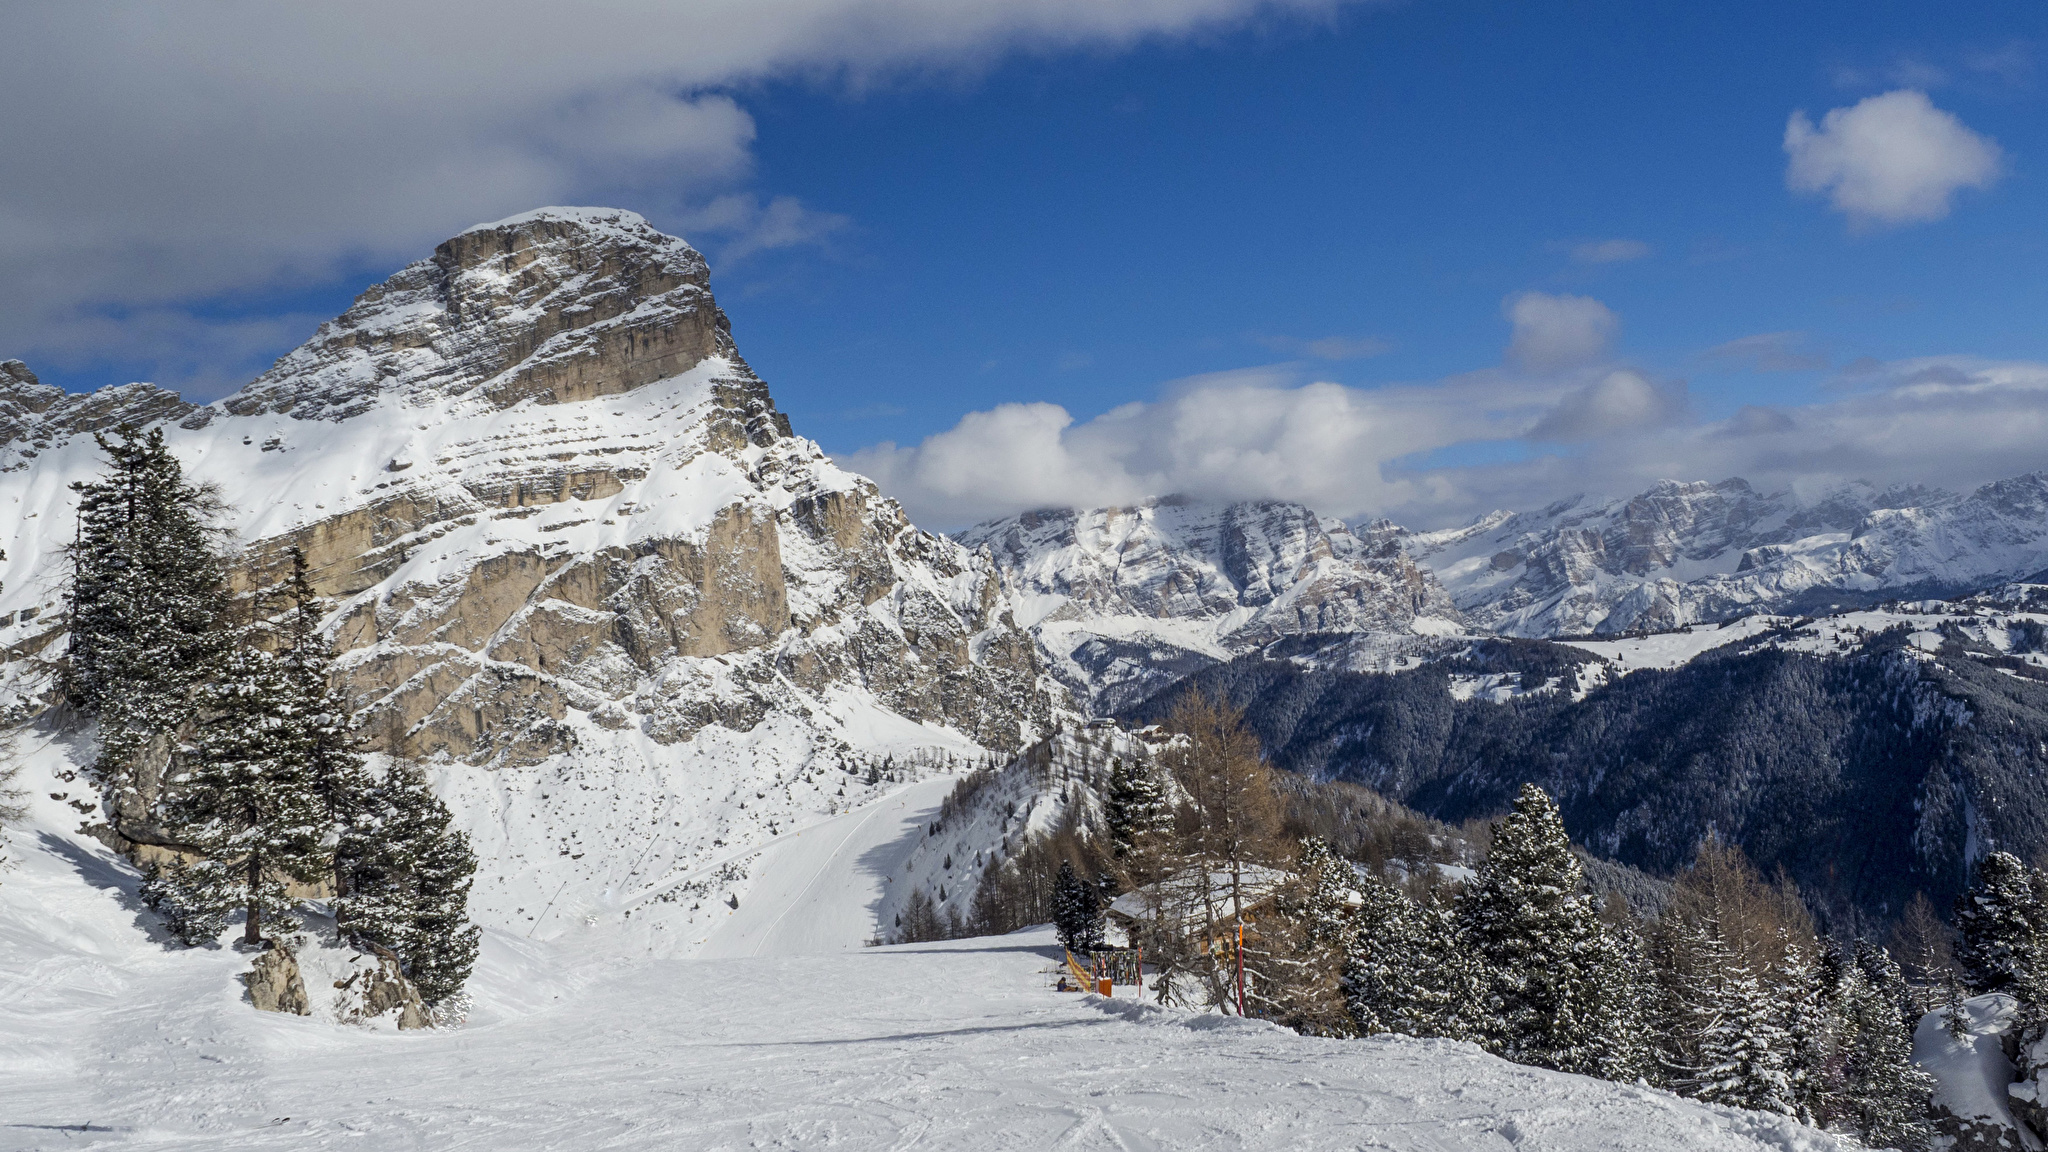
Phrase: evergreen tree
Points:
(1134, 806)
(1553, 970)
(1881, 1095)
(335, 768)
(1076, 912)
(409, 878)
(1330, 901)
(243, 796)
(146, 598)
(1735, 1029)
(1409, 969)
(2000, 920)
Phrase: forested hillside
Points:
(1866, 776)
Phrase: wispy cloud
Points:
(1768, 352)
(1328, 347)
(1617, 251)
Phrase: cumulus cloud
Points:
(1557, 332)
(1618, 403)
(1888, 160)
(1406, 450)
(1609, 251)
(1249, 434)
(155, 160)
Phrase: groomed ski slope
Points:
(792, 1037)
(817, 890)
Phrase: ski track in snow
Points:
(786, 1034)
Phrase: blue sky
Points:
(1080, 216)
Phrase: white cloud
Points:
(1233, 435)
(1329, 347)
(1890, 159)
(749, 225)
(1617, 251)
(155, 157)
(1619, 402)
(1557, 332)
(1354, 452)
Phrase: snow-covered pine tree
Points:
(410, 871)
(1330, 901)
(2000, 919)
(336, 768)
(1879, 1093)
(1134, 806)
(1375, 978)
(146, 600)
(242, 794)
(1734, 1028)
(1551, 965)
(1076, 911)
(1813, 1040)
(1408, 969)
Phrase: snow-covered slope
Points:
(579, 564)
(1682, 553)
(1124, 600)
(116, 1041)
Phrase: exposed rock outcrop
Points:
(275, 984)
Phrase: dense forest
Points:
(1865, 777)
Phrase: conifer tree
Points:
(1881, 1094)
(1551, 966)
(335, 767)
(1329, 904)
(1735, 1029)
(146, 599)
(2000, 919)
(409, 877)
(1134, 806)
(1076, 911)
(243, 796)
(1409, 969)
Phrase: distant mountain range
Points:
(1124, 600)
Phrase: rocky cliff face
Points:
(567, 537)
(1124, 600)
(1682, 553)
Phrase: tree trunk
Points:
(253, 932)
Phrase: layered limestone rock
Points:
(549, 495)
(1124, 600)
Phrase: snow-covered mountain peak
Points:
(555, 305)
(1126, 598)
(577, 562)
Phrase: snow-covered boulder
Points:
(1973, 1104)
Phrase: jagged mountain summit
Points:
(577, 558)
(1683, 553)
(1125, 600)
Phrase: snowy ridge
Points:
(1684, 553)
(1124, 600)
